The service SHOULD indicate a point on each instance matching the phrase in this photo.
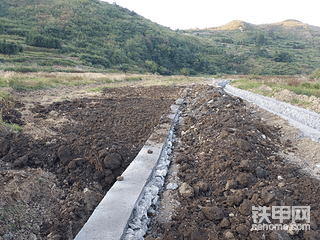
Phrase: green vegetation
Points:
(246, 84)
(132, 79)
(9, 213)
(6, 103)
(286, 48)
(304, 88)
(19, 84)
(97, 89)
(299, 102)
(33, 83)
(95, 36)
(38, 40)
(12, 127)
(315, 74)
(9, 47)
(101, 36)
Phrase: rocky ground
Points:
(230, 157)
(54, 174)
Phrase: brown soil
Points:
(225, 161)
(54, 174)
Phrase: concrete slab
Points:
(110, 218)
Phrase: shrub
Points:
(316, 86)
(106, 80)
(282, 57)
(132, 79)
(17, 31)
(151, 66)
(95, 60)
(38, 40)
(6, 103)
(21, 69)
(10, 47)
(315, 74)
(306, 85)
(124, 67)
(185, 71)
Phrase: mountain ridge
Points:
(235, 24)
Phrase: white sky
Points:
(185, 14)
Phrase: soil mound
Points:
(228, 160)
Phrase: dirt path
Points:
(54, 174)
(227, 160)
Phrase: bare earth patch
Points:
(227, 159)
(54, 174)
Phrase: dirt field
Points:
(54, 174)
(228, 158)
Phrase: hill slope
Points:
(288, 47)
(89, 35)
(102, 34)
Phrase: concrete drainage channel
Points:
(306, 121)
(122, 213)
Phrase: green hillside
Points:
(89, 35)
(286, 48)
(96, 34)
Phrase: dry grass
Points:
(67, 76)
(290, 80)
(44, 80)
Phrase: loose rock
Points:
(186, 190)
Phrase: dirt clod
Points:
(213, 213)
(186, 191)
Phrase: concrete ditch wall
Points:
(308, 122)
(139, 221)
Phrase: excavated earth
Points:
(226, 160)
(55, 173)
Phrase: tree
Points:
(260, 39)
(152, 66)
(95, 60)
(38, 40)
(282, 57)
(10, 47)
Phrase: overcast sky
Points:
(204, 13)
